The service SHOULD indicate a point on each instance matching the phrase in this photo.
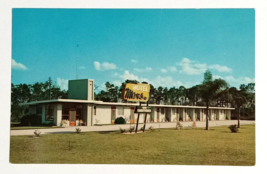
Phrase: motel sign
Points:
(136, 92)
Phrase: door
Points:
(72, 118)
(157, 114)
(132, 115)
(113, 114)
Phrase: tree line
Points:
(23, 93)
(210, 93)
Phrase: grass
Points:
(32, 127)
(218, 146)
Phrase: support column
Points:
(58, 116)
(43, 114)
(89, 109)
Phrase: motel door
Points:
(132, 115)
(157, 114)
(72, 117)
(113, 114)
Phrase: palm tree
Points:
(208, 91)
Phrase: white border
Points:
(5, 76)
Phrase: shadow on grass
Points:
(65, 132)
(107, 132)
(230, 132)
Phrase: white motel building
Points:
(82, 109)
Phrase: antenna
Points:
(77, 62)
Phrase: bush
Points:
(120, 120)
(37, 133)
(78, 130)
(131, 129)
(122, 130)
(31, 120)
(233, 128)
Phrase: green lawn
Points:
(218, 146)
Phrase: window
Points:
(39, 110)
(173, 111)
(132, 115)
(49, 113)
(78, 113)
(162, 110)
(157, 114)
(94, 110)
(121, 111)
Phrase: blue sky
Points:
(164, 47)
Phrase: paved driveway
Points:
(116, 127)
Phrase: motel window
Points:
(157, 114)
(79, 114)
(39, 110)
(49, 113)
(94, 110)
(121, 111)
(173, 111)
(162, 110)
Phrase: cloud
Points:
(167, 82)
(104, 66)
(62, 83)
(220, 68)
(81, 67)
(147, 69)
(193, 68)
(156, 82)
(236, 82)
(129, 76)
(163, 70)
(172, 69)
(117, 83)
(133, 60)
(16, 65)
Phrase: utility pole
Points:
(49, 88)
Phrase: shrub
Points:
(37, 133)
(131, 129)
(31, 120)
(78, 130)
(120, 120)
(142, 128)
(233, 128)
(151, 128)
(122, 130)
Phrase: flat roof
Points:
(116, 104)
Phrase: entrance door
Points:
(113, 114)
(72, 118)
(157, 114)
(132, 115)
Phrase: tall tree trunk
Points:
(207, 116)
(238, 117)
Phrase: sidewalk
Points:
(126, 126)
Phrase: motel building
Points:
(82, 109)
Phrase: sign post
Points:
(137, 92)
